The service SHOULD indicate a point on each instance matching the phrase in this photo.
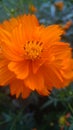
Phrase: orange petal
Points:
(17, 87)
(10, 24)
(52, 77)
(49, 35)
(10, 51)
(4, 33)
(5, 75)
(48, 80)
(32, 23)
(13, 22)
(37, 64)
(36, 82)
(21, 69)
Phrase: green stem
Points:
(6, 9)
(22, 5)
(70, 107)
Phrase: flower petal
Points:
(48, 35)
(37, 64)
(21, 69)
(5, 75)
(17, 87)
(36, 82)
(53, 77)
(11, 53)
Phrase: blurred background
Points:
(54, 112)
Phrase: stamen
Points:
(33, 49)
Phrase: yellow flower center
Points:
(33, 49)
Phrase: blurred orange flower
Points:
(59, 5)
(33, 57)
(34, 129)
(67, 25)
(32, 8)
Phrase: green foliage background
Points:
(41, 113)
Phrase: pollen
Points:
(33, 49)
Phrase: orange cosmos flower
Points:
(33, 57)
(34, 129)
(67, 25)
(32, 8)
(59, 5)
